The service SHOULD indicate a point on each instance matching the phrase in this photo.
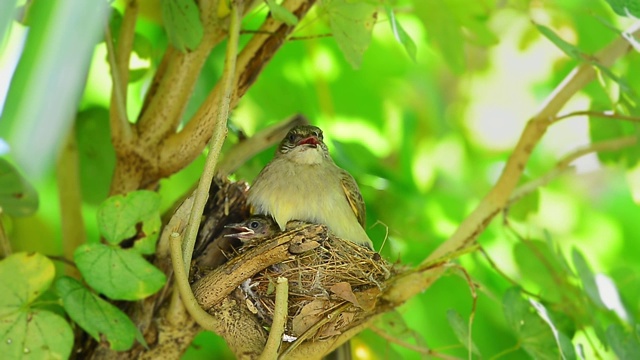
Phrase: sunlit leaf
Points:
(28, 333)
(117, 273)
(452, 23)
(630, 8)
(563, 342)
(182, 23)
(586, 276)
(570, 50)
(351, 23)
(624, 344)
(576, 54)
(537, 263)
(400, 34)
(134, 214)
(17, 196)
(281, 13)
(103, 321)
(533, 332)
(461, 329)
(525, 206)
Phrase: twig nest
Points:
(333, 283)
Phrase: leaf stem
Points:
(279, 320)
(202, 317)
(70, 200)
(219, 132)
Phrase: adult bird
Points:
(303, 183)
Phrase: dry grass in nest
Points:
(330, 287)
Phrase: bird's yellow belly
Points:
(313, 195)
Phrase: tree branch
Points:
(598, 114)
(183, 147)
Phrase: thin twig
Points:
(417, 348)
(563, 164)
(590, 113)
(219, 132)
(279, 320)
(504, 275)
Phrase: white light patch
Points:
(610, 296)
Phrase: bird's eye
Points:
(291, 138)
(254, 224)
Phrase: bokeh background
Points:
(426, 139)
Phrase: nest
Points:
(331, 287)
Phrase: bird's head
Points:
(255, 227)
(304, 144)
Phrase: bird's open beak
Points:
(240, 231)
(311, 140)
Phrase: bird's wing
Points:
(352, 192)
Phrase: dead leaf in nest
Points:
(368, 298)
(334, 327)
(343, 290)
(309, 315)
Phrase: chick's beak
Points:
(241, 231)
(311, 140)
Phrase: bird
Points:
(256, 227)
(303, 183)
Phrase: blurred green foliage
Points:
(426, 140)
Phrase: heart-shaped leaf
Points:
(100, 319)
(119, 274)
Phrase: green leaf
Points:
(23, 277)
(134, 214)
(351, 24)
(534, 333)
(117, 273)
(624, 344)
(570, 50)
(17, 196)
(563, 342)
(25, 332)
(281, 13)
(575, 53)
(452, 23)
(182, 23)
(35, 334)
(587, 278)
(401, 35)
(601, 129)
(525, 206)
(625, 7)
(461, 329)
(103, 321)
(538, 264)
